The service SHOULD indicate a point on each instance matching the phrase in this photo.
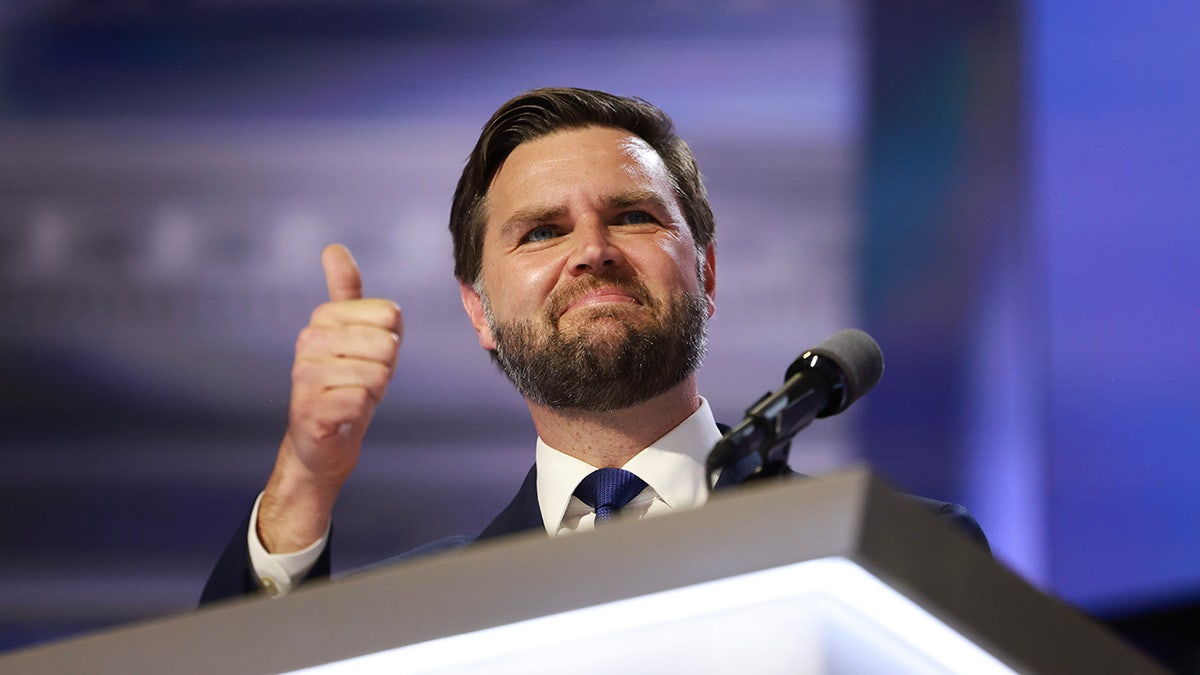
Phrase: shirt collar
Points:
(673, 466)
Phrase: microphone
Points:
(822, 381)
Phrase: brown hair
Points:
(541, 112)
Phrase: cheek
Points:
(520, 288)
(680, 257)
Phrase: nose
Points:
(593, 248)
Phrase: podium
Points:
(831, 575)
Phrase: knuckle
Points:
(322, 429)
(305, 370)
(390, 314)
(308, 338)
(379, 374)
(360, 400)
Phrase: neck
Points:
(610, 439)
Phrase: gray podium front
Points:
(829, 575)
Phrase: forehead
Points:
(574, 165)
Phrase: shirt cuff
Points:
(279, 573)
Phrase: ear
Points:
(710, 277)
(474, 306)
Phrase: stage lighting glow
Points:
(820, 616)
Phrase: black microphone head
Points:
(859, 359)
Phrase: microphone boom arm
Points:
(821, 382)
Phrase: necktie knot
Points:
(607, 491)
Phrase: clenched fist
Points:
(345, 357)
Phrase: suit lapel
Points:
(521, 514)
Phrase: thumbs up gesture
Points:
(345, 357)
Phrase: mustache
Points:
(560, 299)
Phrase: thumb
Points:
(341, 273)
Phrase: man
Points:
(584, 251)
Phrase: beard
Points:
(607, 362)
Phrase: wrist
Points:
(296, 505)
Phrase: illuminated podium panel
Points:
(829, 575)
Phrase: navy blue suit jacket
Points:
(233, 575)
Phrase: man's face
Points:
(590, 295)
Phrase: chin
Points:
(589, 317)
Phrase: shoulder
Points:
(948, 512)
(956, 515)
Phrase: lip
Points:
(601, 296)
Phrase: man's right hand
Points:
(345, 358)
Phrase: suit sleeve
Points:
(233, 575)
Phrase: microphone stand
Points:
(758, 446)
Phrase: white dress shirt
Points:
(672, 467)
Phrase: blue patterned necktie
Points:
(608, 490)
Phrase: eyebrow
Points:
(620, 200)
(629, 198)
(532, 214)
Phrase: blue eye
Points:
(636, 218)
(540, 233)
